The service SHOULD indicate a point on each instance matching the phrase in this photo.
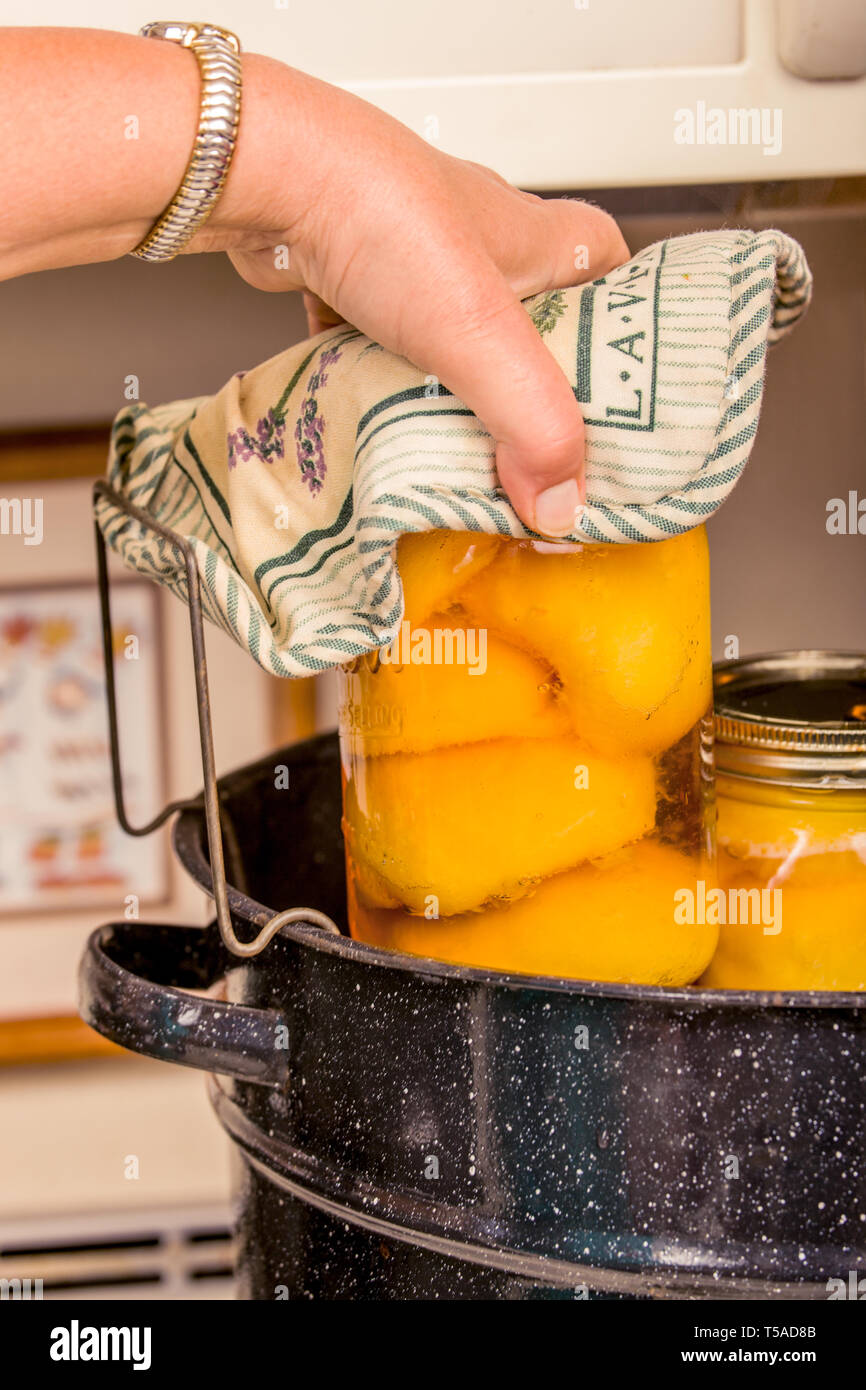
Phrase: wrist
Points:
(266, 189)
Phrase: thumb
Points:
(487, 350)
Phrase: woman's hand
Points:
(430, 256)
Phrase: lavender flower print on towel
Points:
(310, 427)
(267, 445)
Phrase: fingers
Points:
(541, 243)
(498, 364)
(488, 352)
(581, 241)
(480, 342)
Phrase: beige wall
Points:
(567, 92)
(71, 337)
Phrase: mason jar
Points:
(527, 767)
(791, 797)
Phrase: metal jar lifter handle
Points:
(102, 489)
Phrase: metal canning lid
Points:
(793, 718)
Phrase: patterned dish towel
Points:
(294, 482)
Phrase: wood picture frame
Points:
(54, 455)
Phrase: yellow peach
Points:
(813, 836)
(811, 846)
(609, 920)
(371, 888)
(625, 627)
(495, 691)
(485, 822)
(434, 565)
(821, 944)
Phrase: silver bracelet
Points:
(218, 53)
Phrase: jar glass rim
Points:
(792, 717)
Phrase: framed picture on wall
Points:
(61, 847)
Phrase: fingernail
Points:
(556, 509)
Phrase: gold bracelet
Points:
(218, 53)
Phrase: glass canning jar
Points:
(791, 799)
(527, 769)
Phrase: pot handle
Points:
(134, 979)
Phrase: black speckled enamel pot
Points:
(409, 1129)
